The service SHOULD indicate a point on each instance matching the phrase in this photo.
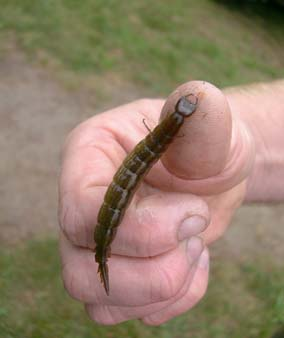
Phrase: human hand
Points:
(159, 263)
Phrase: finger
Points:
(158, 313)
(95, 149)
(214, 151)
(156, 279)
(92, 153)
(152, 225)
(194, 294)
(207, 133)
(111, 315)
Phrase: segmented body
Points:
(127, 178)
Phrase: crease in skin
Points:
(236, 149)
(106, 149)
(264, 102)
(70, 216)
(131, 312)
(153, 264)
(247, 144)
(91, 181)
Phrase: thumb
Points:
(214, 150)
(202, 147)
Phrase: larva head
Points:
(185, 107)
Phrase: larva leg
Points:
(145, 124)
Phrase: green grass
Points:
(154, 44)
(243, 301)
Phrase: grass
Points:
(243, 301)
(154, 45)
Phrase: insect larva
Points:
(128, 177)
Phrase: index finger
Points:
(91, 154)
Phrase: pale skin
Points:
(229, 151)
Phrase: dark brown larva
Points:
(128, 177)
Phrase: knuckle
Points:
(74, 135)
(169, 284)
(147, 222)
(197, 292)
(75, 284)
(70, 218)
(151, 321)
(71, 139)
(144, 102)
(101, 315)
(202, 290)
(215, 230)
(152, 235)
(196, 297)
(70, 283)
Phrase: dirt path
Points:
(36, 113)
(35, 116)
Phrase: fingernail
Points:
(191, 226)
(194, 248)
(203, 261)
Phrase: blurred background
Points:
(62, 61)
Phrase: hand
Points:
(159, 264)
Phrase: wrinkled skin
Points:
(160, 253)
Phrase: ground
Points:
(37, 112)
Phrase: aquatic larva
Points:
(127, 178)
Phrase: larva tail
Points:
(103, 271)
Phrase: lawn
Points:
(152, 46)
(35, 305)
